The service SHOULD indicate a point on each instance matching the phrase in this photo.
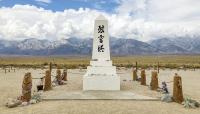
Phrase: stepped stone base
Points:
(101, 78)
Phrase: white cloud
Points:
(161, 10)
(174, 10)
(149, 19)
(44, 1)
(143, 20)
(135, 7)
(25, 21)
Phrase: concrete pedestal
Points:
(101, 78)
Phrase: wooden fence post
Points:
(26, 87)
(47, 84)
(135, 75)
(143, 77)
(65, 74)
(177, 89)
(154, 80)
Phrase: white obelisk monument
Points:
(101, 75)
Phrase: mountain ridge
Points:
(118, 46)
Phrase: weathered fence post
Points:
(136, 66)
(177, 89)
(143, 77)
(65, 74)
(50, 67)
(135, 75)
(154, 80)
(47, 84)
(26, 87)
(58, 76)
(158, 67)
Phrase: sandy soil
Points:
(10, 86)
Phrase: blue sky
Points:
(60, 5)
(136, 19)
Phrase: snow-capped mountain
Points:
(120, 46)
(33, 44)
(177, 45)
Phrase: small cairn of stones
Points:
(26, 97)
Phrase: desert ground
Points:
(10, 86)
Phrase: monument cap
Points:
(100, 17)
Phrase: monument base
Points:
(107, 79)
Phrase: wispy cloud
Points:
(44, 1)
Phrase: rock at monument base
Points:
(13, 103)
(166, 98)
(36, 97)
(33, 101)
(24, 104)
